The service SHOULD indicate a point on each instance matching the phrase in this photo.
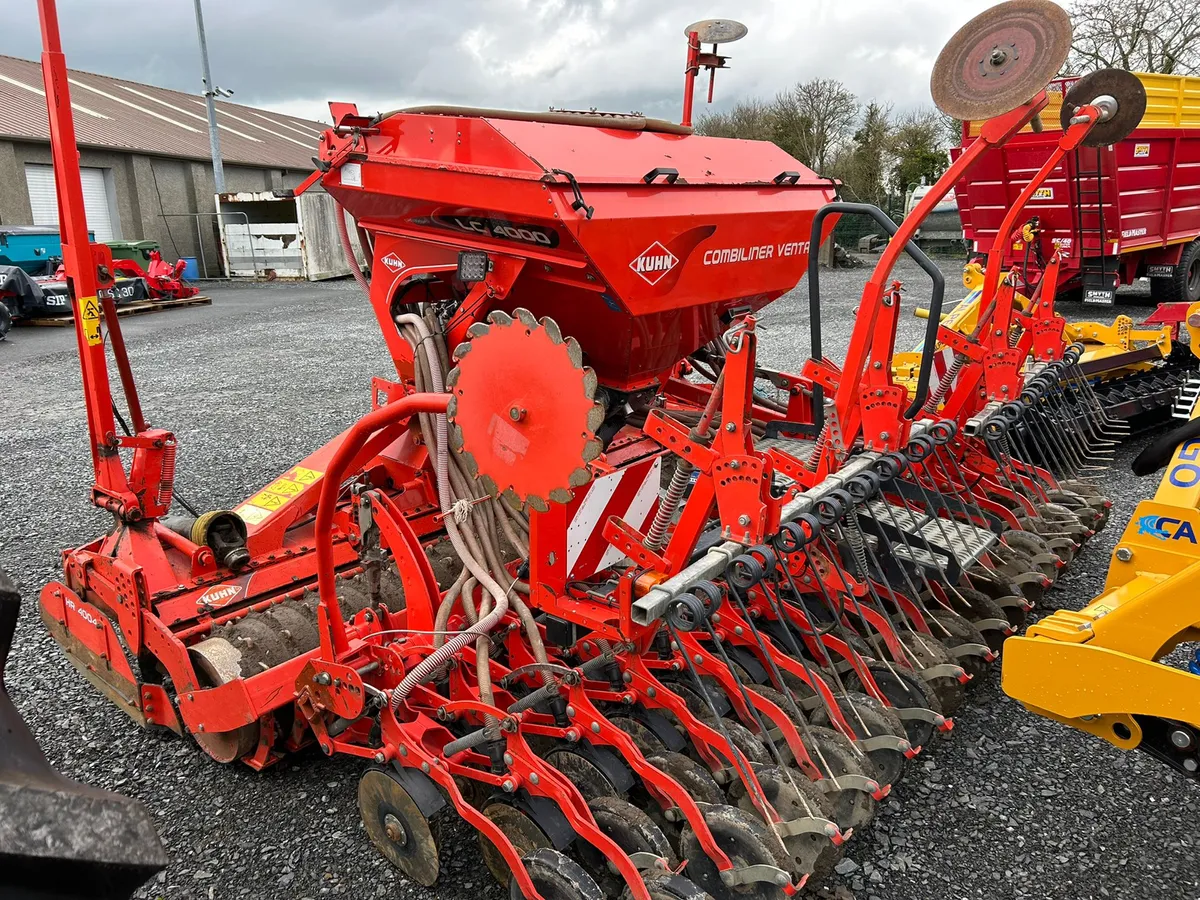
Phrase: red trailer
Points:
(1118, 213)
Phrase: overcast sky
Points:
(294, 55)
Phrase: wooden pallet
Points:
(130, 309)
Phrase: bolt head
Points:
(730, 426)
(1181, 739)
(508, 786)
(595, 728)
(380, 758)
(394, 829)
(533, 778)
(1124, 554)
(743, 520)
(571, 711)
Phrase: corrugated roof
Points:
(124, 115)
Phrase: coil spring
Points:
(166, 484)
(939, 393)
(815, 456)
(666, 508)
(858, 546)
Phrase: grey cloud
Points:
(612, 54)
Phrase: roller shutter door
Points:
(43, 198)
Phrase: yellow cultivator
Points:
(1102, 669)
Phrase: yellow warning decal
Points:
(285, 488)
(278, 494)
(303, 475)
(89, 318)
(252, 515)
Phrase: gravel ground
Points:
(1008, 806)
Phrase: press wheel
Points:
(556, 877)
(646, 740)
(960, 631)
(979, 607)
(1013, 563)
(876, 720)
(632, 830)
(522, 832)
(397, 828)
(747, 741)
(929, 652)
(793, 796)
(665, 886)
(1035, 545)
(582, 772)
(997, 588)
(746, 841)
(835, 756)
(903, 689)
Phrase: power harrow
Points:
(656, 621)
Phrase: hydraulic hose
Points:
(351, 259)
(439, 657)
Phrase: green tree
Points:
(918, 145)
(864, 166)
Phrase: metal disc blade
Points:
(1001, 59)
(717, 31)
(1124, 87)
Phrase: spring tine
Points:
(855, 601)
(1058, 463)
(801, 720)
(958, 486)
(1028, 466)
(793, 646)
(1058, 399)
(742, 766)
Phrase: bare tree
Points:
(1137, 35)
(813, 119)
(750, 119)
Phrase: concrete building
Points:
(144, 153)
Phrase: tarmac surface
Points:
(1006, 806)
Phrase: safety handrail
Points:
(884, 221)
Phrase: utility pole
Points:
(210, 92)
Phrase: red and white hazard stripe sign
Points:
(630, 494)
(942, 360)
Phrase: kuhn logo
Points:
(1163, 528)
(654, 262)
(219, 595)
(393, 262)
